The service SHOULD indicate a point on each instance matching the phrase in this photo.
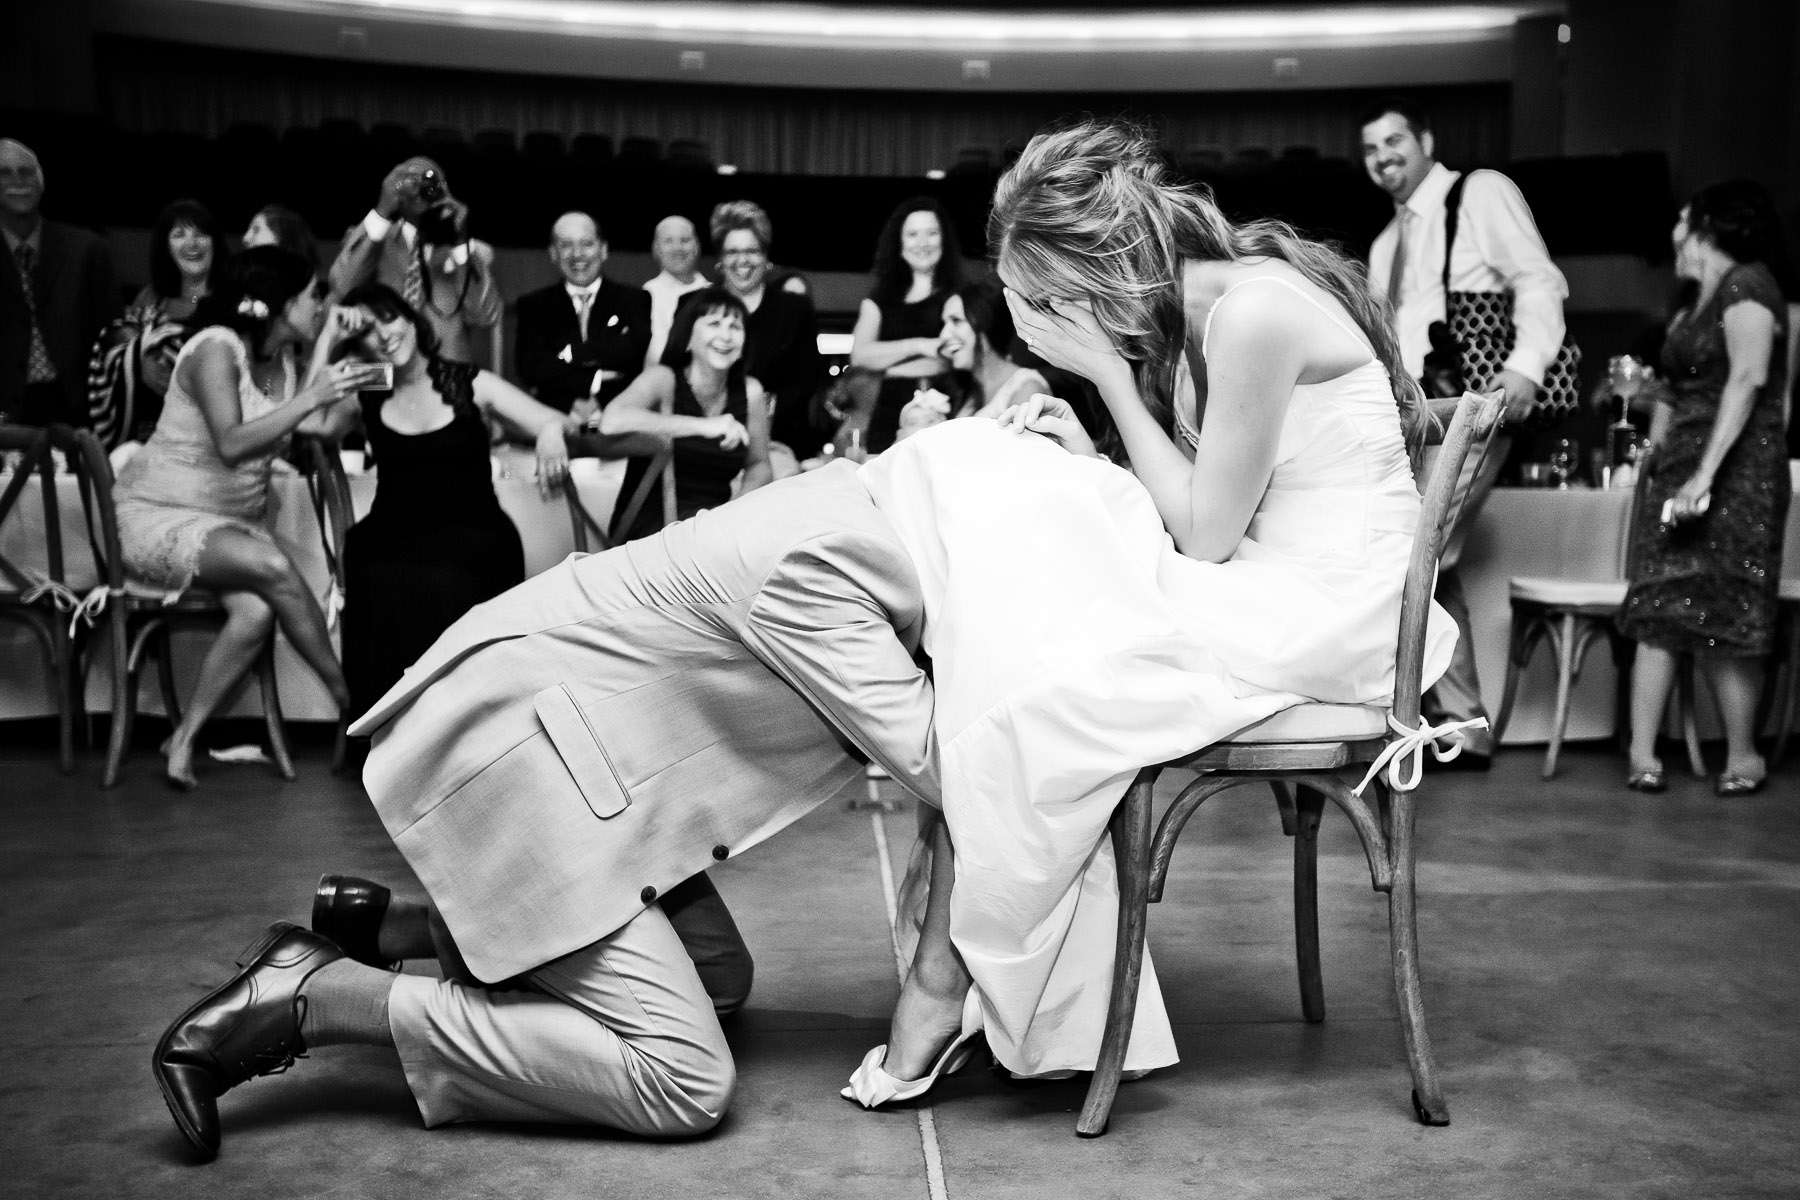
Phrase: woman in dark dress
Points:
(1704, 576)
(700, 397)
(435, 542)
(918, 265)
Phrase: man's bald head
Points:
(676, 246)
(21, 180)
(577, 248)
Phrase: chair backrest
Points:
(329, 488)
(1471, 432)
(29, 450)
(590, 534)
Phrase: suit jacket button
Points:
(647, 895)
(721, 853)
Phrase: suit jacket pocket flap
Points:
(574, 740)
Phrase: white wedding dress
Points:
(1072, 645)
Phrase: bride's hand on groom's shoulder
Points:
(1051, 417)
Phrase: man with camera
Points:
(1466, 240)
(416, 241)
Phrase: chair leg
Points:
(126, 654)
(1526, 630)
(63, 652)
(1563, 637)
(1403, 934)
(1306, 904)
(1687, 697)
(271, 701)
(1131, 850)
(1787, 698)
(165, 674)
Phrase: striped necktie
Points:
(1397, 273)
(40, 369)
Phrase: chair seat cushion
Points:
(1570, 593)
(1318, 723)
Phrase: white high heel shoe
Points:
(872, 1087)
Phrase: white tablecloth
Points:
(543, 525)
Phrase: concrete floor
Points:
(1610, 980)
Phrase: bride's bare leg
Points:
(929, 1012)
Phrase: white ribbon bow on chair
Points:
(333, 604)
(1404, 757)
(89, 608)
(61, 596)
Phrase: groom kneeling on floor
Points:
(559, 771)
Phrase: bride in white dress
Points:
(1253, 381)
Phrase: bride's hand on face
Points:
(1065, 334)
(1050, 417)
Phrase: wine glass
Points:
(1563, 462)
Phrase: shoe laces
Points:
(276, 1057)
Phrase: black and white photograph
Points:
(900, 600)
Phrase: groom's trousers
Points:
(623, 1032)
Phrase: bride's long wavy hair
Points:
(1089, 210)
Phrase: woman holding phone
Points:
(435, 542)
(192, 504)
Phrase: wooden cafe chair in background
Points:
(334, 511)
(136, 621)
(1572, 614)
(1309, 754)
(34, 585)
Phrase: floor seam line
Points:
(936, 1187)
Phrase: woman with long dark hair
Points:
(917, 265)
(128, 372)
(435, 542)
(193, 502)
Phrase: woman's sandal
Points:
(872, 1087)
(1650, 779)
(1732, 784)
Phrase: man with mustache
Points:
(582, 339)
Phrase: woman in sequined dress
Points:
(1706, 545)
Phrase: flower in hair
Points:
(250, 306)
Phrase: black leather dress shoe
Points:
(249, 1026)
(348, 910)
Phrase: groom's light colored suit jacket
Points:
(572, 749)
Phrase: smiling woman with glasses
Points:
(781, 331)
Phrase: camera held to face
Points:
(440, 223)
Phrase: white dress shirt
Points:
(1498, 249)
(666, 292)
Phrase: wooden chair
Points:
(1783, 694)
(335, 512)
(591, 534)
(1573, 614)
(1307, 755)
(138, 620)
(34, 589)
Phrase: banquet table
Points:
(1576, 533)
(544, 531)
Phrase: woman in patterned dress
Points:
(1704, 577)
(192, 504)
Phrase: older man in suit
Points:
(562, 761)
(56, 291)
(583, 338)
(416, 241)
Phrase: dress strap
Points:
(1206, 331)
